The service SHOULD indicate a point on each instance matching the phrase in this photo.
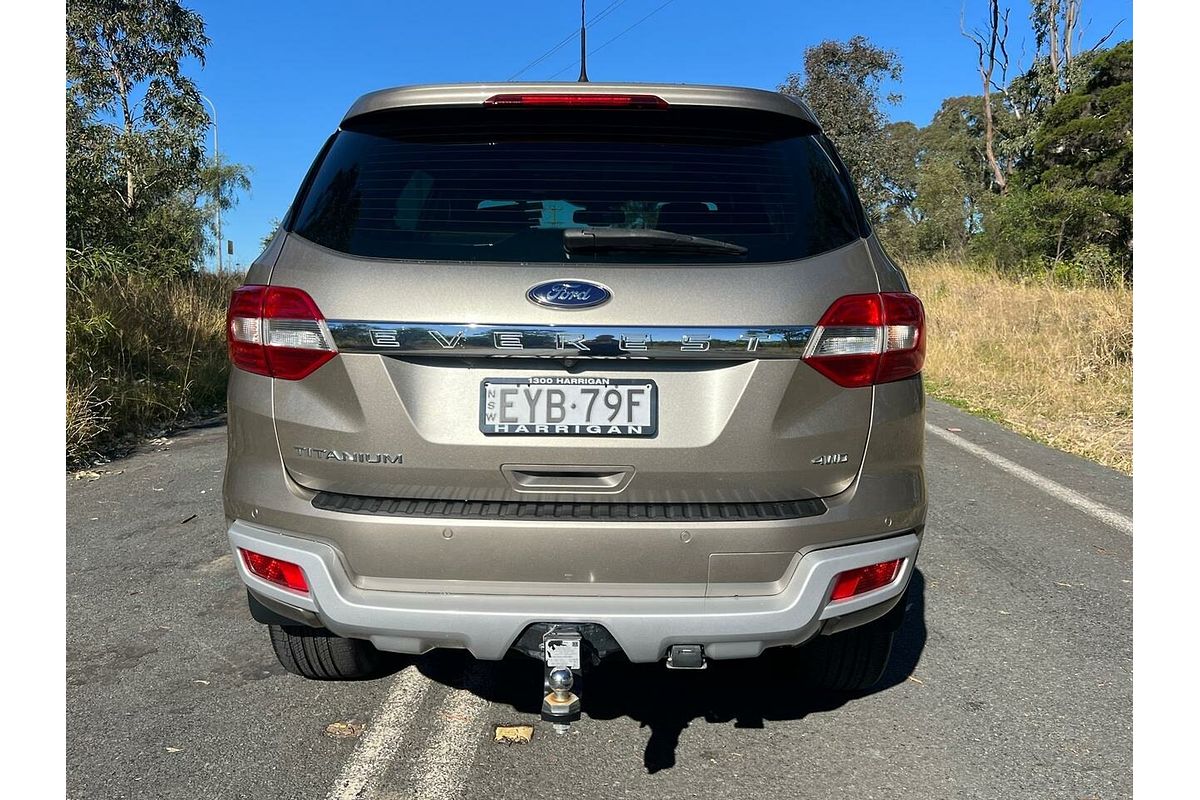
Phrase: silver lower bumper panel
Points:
(645, 627)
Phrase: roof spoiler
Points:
(477, 94)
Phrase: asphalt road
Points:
(1010, 679)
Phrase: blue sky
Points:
(282, 73)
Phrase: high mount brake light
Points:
(578, 100)
(854, 582)
(865, 339)
(277, 331)
(275, 570)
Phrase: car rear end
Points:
(619, 359)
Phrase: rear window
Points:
(505, 184)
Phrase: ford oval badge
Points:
(569, 294)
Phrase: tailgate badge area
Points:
(345, 455)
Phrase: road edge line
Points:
(1071, 497)
(439, 772)
(382, 738)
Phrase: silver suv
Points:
(575, 370)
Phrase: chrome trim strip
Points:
(570, 341)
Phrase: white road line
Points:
(442, 770)
(1069, 496)
(382, 738)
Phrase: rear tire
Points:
(850, 661)
(319, 655)
(854, 660)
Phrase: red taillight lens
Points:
(277, 571)
(904, 339)
(862, 580)
(277, 331)
(578, 100)
(854, 309)
(863, 339)
(243, 330)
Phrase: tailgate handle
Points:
(555, 478)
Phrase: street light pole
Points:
(217, 165)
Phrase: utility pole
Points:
(217, 167)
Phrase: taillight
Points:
(277, 331)
(854, 582)
(578, 100)
(275, 570)
(864, 339)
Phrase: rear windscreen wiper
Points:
(644, 239)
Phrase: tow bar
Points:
(564, 648)
(561, 650)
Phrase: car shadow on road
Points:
(749, 693)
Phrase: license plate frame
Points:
(586, 430)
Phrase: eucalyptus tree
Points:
(139, 180)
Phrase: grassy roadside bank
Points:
(1054, 363)
(144, 352)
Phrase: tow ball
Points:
(561, 654)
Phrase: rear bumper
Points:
(488, 624)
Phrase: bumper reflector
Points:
(862, 580)
(273, 570)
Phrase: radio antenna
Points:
(583, 78)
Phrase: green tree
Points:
(139, 181)
(904, 144)
(273, 228)
(1073, 210)
(945, 209)
(942, 180)
(956, 135)
(1086, 138)
(899, 215)
(843, 84)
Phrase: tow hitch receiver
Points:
(561, 651)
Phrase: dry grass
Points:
(86, 421)
(1051, 362)
(143, 352)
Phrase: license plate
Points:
(568, 406)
